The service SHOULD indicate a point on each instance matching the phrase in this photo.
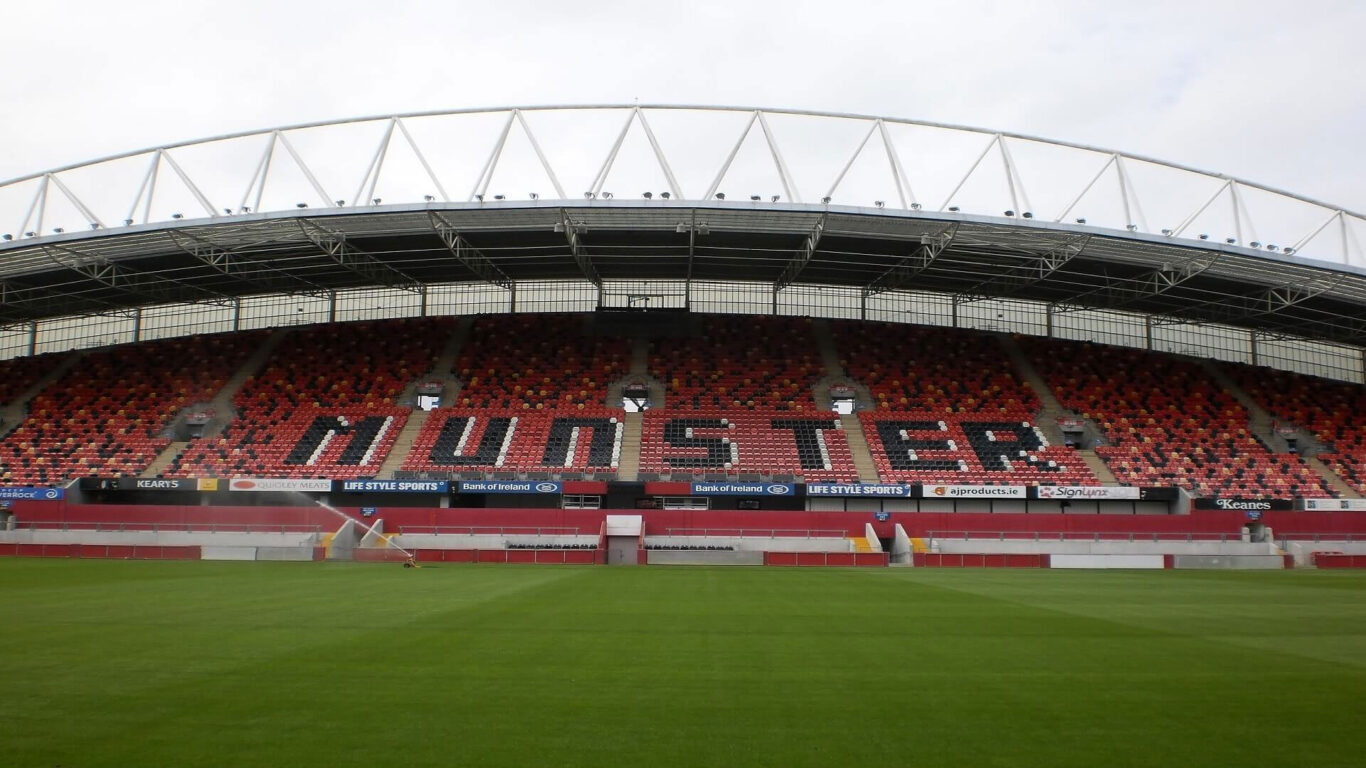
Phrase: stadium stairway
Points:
(16, 411)
(403, 444)
(164, 459)
(222, 402)
(1047, 418)
(850, 423)
(1259, 421)
(442, 367)
(441, 371)
(1097, 466)
(858, 448)
(1261, 425)
(825, 342)
(628, 466)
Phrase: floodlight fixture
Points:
(1255, 244)
(664, 195)
(588, 195)
(1131, 227)
(58, 230)
(500, 197)
(430, 198)
(1010, 213)
(720, 195)
(1231, 240)
(915, 206)
(880, 203)
(377, 200)
(826, 200)
(606, 195)
(1081, 221)
(1204, 236)
(775, 198)
(177, 216)
(531, 195)
(754, 198)
(1028, 214)
(340, 203)
(7, 237)
(953, 209)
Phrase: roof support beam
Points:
(335, 247)
(467, 254)
(919, 260)
(145, 286)
(1039, 268)
(1269, 301)
(1118, 292)
(253, 272)
(572, 231)
(803, 257)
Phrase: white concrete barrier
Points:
(1105, 561)
(702, 557)
(227, 553)
(1242, 562)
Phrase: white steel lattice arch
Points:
(509, 155)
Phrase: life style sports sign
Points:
(393, 486)
(880, 490)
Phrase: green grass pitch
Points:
(285, 664)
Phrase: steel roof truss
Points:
(468, 255)
(121, 278)
(916, 262)
(1038, 268)
(234, 265)
(572, 230)
(802, 258)
(351, 258)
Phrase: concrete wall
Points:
(703, 557)
(755, 544)
(1243, 562)
(1154, 562)
(157, 538)
(411, 541)
(993, 546)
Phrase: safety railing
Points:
(1092, 536)
(491, 530)
(759, 533)
(123, 527)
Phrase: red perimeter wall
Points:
(659, 522)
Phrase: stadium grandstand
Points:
(301, 343)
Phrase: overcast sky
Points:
(1268, 91)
